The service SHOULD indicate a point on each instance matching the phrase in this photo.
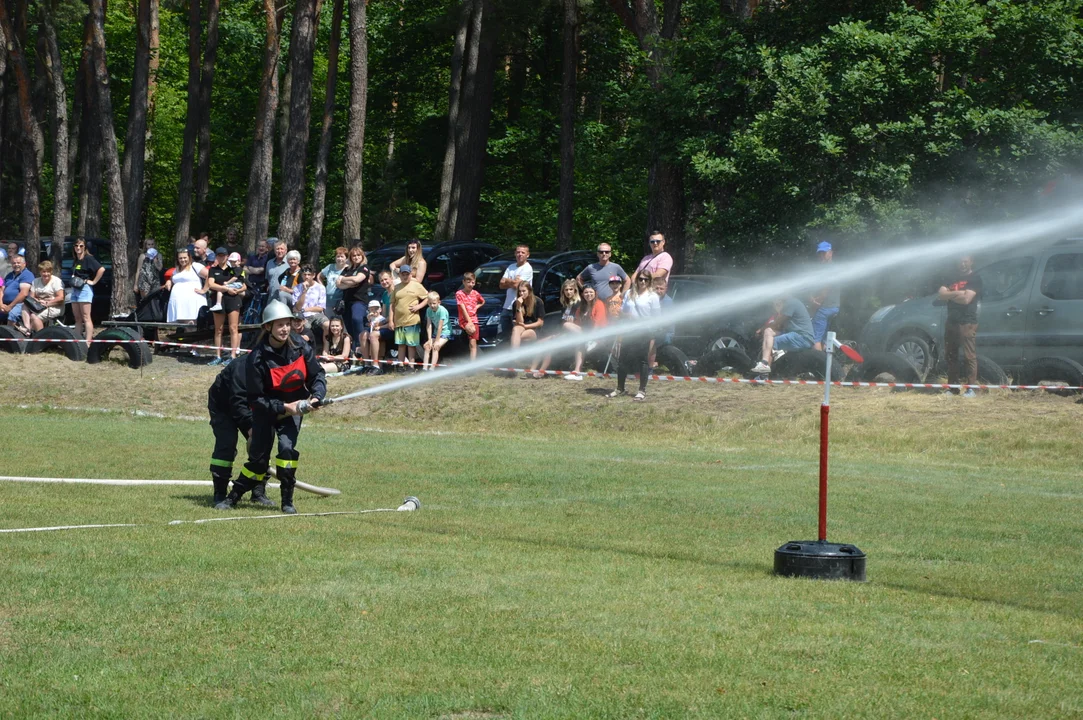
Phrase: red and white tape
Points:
(606, 376)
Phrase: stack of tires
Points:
(63, 340)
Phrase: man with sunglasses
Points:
(597, 275)
(657, 260)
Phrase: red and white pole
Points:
(825, 411)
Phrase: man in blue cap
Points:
(826, 301)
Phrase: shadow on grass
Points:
(202, 500)
(761, 569)
(950, 594)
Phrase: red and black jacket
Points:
(277, 377)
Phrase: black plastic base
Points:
(820, 560)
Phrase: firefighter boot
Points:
(240, 486)
(221, 486)
(259, 494)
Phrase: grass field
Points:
(575, 557)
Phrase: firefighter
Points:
(284, 382)
(227, 402)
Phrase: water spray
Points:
(983, 239)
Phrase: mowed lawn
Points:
(574, 557)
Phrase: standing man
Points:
(515, 274)
(275, 268)
(256, 266)
(200, 247)
(657, 259)
(284, 381)
(17, 286)
(598, 274)
(826, 301)
(961, 328)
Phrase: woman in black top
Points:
(229, 281)
(85, 274)
(354, 283)
(528, 315)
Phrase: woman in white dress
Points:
(186, 293)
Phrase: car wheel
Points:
(726, 341)
(1053, 371)
(915, 350)
(989, 373)
(723, 358)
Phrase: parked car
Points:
(446, 262)
(1030, 317)
(551, 269)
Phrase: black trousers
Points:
(633, 359)
(225, 442)
(264, 432)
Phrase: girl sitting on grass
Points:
(336, 347)
(528, 315)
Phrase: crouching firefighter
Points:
(284, 382)
(227, 402)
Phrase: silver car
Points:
(1030, 316)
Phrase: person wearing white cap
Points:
(826, 301)
(370, 337)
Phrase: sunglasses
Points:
(655, 242)
(642, 280)
(605, 252)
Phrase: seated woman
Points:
(528, 316)
(589, 315)
(336, 347)
(46, 291)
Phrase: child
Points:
(407, 302)
(387, 332)
(299, 329)
(336, 347)
(375, 323)
(439, 331)
(469, 300)
(590, 314)
(616, 300)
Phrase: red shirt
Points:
(468, 306)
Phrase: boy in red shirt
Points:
(469, 300)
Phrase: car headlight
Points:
(881, 313)
(493, 319)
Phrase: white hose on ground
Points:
(314, 489)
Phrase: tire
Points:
(12, 340)
(73, 350)
(1053, 370)
(721, 358)
(674, 360)
(989, 373)
(805, 364)
(878, 366)
(916, 350)
(138, 352)
(726, 340)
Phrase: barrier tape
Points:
(607, 376)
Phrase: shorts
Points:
(15, 314)
(792, 341)
(84, 294)
(476, 335)
(231, 303)
(820, 322)
(410, 336)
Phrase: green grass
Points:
(573, 565)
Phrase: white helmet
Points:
(276, 310)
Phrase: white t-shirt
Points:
(514, 272)
(642, 305)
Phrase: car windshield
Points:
(489, 280)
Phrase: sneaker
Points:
(970, 393)
(761, 368)
(640, 396)
(573, 376)
(216, 307)
(216, 361)
(376, 371)
(227, 361)
(591, 345)
(616, 393)
(776, 354)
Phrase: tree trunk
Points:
(206, 85)
(355, 133)
(257, 206)
(284, 100)
(122, 291)
(443, 215)
(78, 113)
(467, 91)
(567, 125)
(61, 166)
(135, 144)
(191, 127)
(517, 78)
(94, 164)
(319, 195)
(33, 144)
(302, 46)
(471, 143)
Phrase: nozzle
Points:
(409, 504)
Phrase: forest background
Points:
(734, 126)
